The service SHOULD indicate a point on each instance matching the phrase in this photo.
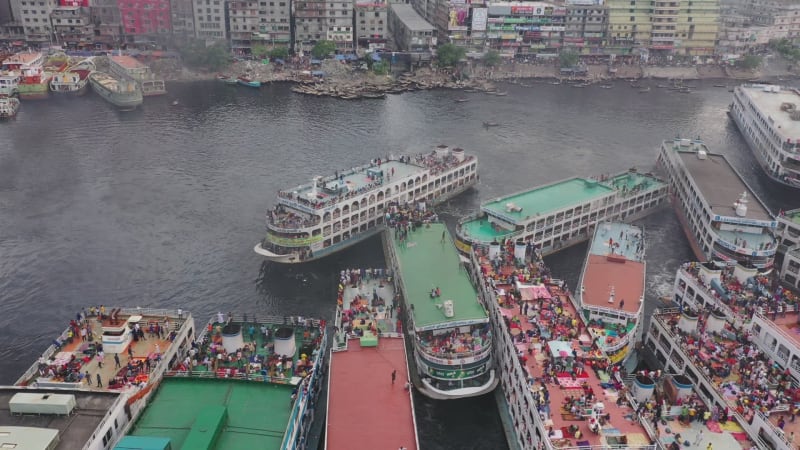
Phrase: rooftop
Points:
(385, 419)
(410, 18)
(792, 216)
(615, 264)
(128, 62)
(22, 58)
(769, 103)
(721, 185)
(76, 429)
(484, 231)
(552, 197)
(426, 261)
(246, 415)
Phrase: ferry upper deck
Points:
(106, 353)
(55, 424)
(721, 185)
(428, 260)
(573, 197)
(615, 268)
(770, 102)
(369, 342)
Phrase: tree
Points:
(749, 62)
(492, 58)
(380, 68)
(259, 51)
(568, 58)
(449, 55)
(322, 49)
(196, 54)
(279, 52)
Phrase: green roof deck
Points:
(257, 413)
(481, 230)
(548, 198)
(793, 215)
(427, 262)
(634, 180)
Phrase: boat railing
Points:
(49, 351)
(457, 358)
(780, 330)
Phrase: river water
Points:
(162, 206)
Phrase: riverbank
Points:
(342, 80)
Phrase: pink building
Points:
(145, 17)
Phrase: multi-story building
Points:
(525, 27)
(697, 27)
(409, 30)
(72, 26)
(340, 24)
(107, 22)
(585, 26)
(209, 20)
(145, 17)
(182, 17)
(310, 24)
(275, 25)
(243, 24)
(629, 25)
(34, 15)
(371, 23)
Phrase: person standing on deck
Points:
(394, 375)
(116, 361)
(99, 381)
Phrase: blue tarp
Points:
(339, 57)
(316, 61)
(720, 290)
(376, 57)
(279, 61)
(317, 73)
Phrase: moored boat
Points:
(332, 213)
(72, 81)
(723, 218)
(775, 142)
(611, 288)
(727, 323)
(9, 83)
(227, 80)
(8, 107)
(124, 66)
(98, 373)
(232, 389)
(123, 93)
(245, 81)
(29, 67)
(369, 335)
(449, 328)
(561, 214)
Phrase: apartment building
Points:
(525, 28)
(209, 20)
(72, 26)
(34, 16)
(630, 27)
(585, 26)
(182, 17)
(371, 24)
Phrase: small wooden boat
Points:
(227, 80)
(555, 83)
(462, 100)
(662, 86)
(606, 86)
(642, 91)
(490, 124)
(8, 107)
(244, 81)
(501, 94)
(720, 85)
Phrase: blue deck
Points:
(628, 237)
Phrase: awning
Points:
(532, 292)
(560, 349)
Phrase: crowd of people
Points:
(456, 344)
(369, 310)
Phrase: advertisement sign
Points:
(480, 16)
(458, 18)
(522, 10)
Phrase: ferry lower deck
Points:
(369, 397)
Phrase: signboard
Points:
(480, 16)
(458, 18)
(745, 221)
(458, 373)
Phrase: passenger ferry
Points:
(332, 213)
(368, 336)
(723, 218)
(560, 389)
(612, 283)
(449, 328)
(563, 213)
(78, 377)
(732, 322)
(768, 118)
(246, 383)
(789, 235)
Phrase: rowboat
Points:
(244, 81)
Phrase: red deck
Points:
(365, 410)
(626, 277)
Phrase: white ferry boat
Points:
(612, 283)
(769, 119)
(332, 213)
(789, 235)
(78, 377)
(723, 218)
(563, 213)
(448, 326)
(732, 322)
